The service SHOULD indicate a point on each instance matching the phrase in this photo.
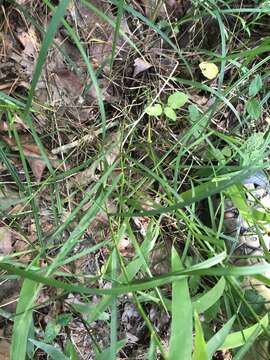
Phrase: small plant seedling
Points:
(253, 106)
(174, 102)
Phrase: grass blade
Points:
(210, 298)
(218, 339)
(199, 342)
(180, 345)
(23, 319)
(239, 338)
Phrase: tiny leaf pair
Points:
(174, 102)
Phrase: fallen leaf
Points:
(209, 70)
(32, 153)
(29, 41)
(125, 247)
(140, 65)
(69, 81)
(5, 241)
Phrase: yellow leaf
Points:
(209, 70)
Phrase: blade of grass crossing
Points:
(52, 28)
(113, 346)
(180, 345)
(239, 338)
(200, 352)
(120, 11)
(89, 67)
(23, 319)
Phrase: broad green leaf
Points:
(239, 338)
(255, 86)
(170, 113)
(51, 331)
(180, 345)
(155, 110)
(53, 352)
(218, 339)
(200, 352)
(209, 70)
(104, 355)
(210, 298)
(194, 113)
(253, 108)
(177, 100)
(198, 120)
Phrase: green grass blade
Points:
(239, 338)
(210, 298)
(23, 320)
(180, 345)
(199, 342)
(120, 11)
(52, 28)
(218, 339)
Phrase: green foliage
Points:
(175, 101)
(253, 108)
(255, 86)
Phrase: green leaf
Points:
(64, 319)
(51, 331)
(253, 108)
(177, 100)
(200, 352)
(218, 339)
(255, 86)
(239, 338)
(104, 355)
(210, 298)
(194, 113)
(70, 351)
(170, 113)
(155, 110)
(53, 352)
(197, 120)
(181, 327)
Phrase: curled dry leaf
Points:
(5, 241)
(125, 247)
(140, 65)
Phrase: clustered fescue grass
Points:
(165, 174)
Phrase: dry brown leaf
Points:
(125, 247)
(5, 241)
(69, 81)
(140, 65)
(29, 41)
(32, 153)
